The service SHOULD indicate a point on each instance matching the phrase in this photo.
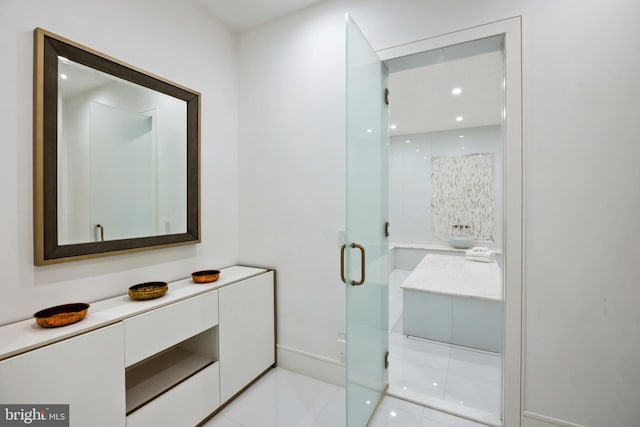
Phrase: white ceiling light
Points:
(459, 119)
(63, 76)
(408, 141)
(456, 91)
(461, 136)
(393, 126)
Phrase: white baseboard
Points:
(312, 365)
(531, 419)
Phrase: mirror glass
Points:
(116, 154)
(121, 159)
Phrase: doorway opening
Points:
(450, 152)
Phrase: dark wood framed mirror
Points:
(116, 156)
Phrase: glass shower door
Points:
(366, 247)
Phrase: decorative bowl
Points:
(148, 290)
(205, 276)
(462, 242)
(61, 315)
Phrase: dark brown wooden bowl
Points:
(205, 276)
(61, 315)
(148, 290)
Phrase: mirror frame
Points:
(47, 48)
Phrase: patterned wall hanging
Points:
(463, 195)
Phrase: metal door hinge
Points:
(386, 96)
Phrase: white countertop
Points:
(16, 338)
(454, 275)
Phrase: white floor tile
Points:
(335, 413)
(396, 413)
(286, 399)
(221, 421)
(433, 418)
(281, 399)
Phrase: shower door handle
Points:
(362, 264)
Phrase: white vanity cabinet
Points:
(84, 371)
(247, 339)
(172, 361)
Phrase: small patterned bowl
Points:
(148, 290)
(61, 315)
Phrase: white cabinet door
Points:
(86, 372)
(247, 335)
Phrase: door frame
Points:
(513, 251)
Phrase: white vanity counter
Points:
(21, 336)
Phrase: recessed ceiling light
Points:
(461, 136)
(393, 126)
(459, 119)
(462, 148)
(408, 141)
(435, 384)
(369, 130)
(393, 413)
(417, 151)
(456, 91)
(63, 76)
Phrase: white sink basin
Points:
(462, 242)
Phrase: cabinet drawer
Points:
(152, 332)
(186, 404)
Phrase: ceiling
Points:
(421, 99)
(240, 15)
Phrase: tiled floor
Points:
(455, 379)
(285, 399)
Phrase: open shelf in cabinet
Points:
(159, 373)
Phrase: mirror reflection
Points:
(121, 159)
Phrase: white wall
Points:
(410, 179)
(581, 183)
(175, 40)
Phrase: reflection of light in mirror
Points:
(63, 76)
(393, 126)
